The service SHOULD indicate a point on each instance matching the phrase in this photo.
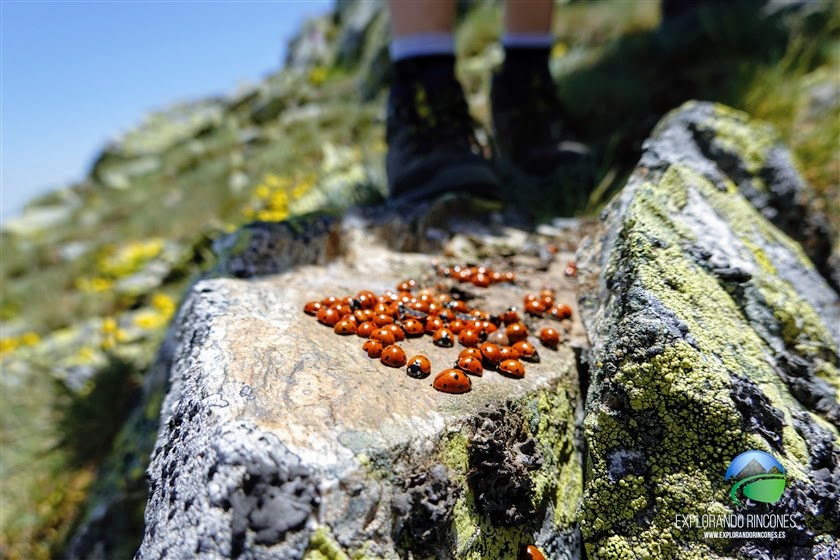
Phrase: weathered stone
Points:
(725, 145)
(280, 439)
(712, 334)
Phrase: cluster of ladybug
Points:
(490, 342)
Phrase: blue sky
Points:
(75, 74)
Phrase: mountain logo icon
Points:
(756, 475)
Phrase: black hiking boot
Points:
(527, 118)
(432, 146)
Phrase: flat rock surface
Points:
(279, 432)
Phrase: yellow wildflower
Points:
(318, 75)
(86, 354)
(164, 304)
(262, 191)
(303, 187)
(30, 339)
(14, 342)
(272, 180)
(9, 344)
(279, 201)
(149, 320)
(94, 285)
(130, 258)
(272, 215)
(109, 325)
(559, 49)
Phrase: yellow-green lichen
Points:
(686, 386)
(748, 139)
(549, 418)
(453, 452)
(561, 474)
(828, 371)
(323, 547)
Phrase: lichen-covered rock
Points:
(281, 440)
(727, 146)
(712, 334)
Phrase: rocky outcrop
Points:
(712, 334)
(280, 439)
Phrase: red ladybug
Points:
(471, 365)
(480, 280)
(373, 348)
(535, 307)
(491, 354)
(469, 337)
(342, 309)
(458, 306)
(547, 298)
(474, 352)
(398, 333)
(360, 316)
(312, 307)
(457, 326)
(571, 269)
(516, 332)
(366, 329)
(509, 316)
(560, 311)
(527, 351)
(406, 286)
(385, 336)
(328, 316)
(419, 367)
(382, 319)
(413, 328)
(419, 305)
(496, 277)
(510, 277)
(531, 552)
(329, 301)
(445, 314)
(393, 356)
(452, 381)
(366, 299)
(433, 324)
(513, 368)
(443, 337)
(508, 353)
(345, 327)
(550, 337)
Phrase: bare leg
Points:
(528, 16)
(409, 17)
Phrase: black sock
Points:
(429, 69)
(525, 60)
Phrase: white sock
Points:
(422, 44)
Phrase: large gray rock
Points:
(282, 440)
(712, 334)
